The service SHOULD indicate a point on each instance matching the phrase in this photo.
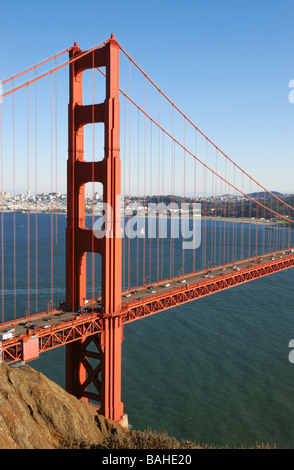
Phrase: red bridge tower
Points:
(106, 376)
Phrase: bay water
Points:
(215, 370)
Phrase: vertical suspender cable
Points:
(205, 206)
(51, 196)
(145, 176)
(158, 200)
(225, 214)
(171, 205)
(28, 200)
(163, 215)
(124, 200)
(93, 183)
(228, 225)
(278, 232)
(233, 221)
(14, 215)
(211, 217)
(149, 220)
(289, 231)
(271, 232)
(36, 199)
(256, 220)
(138, 176)
(129, 238)
(215, 196)
(184, 199)
(211, 257)
(172, 190)
(2, 218)
(56, 198)
(195, 221)
(242, 219)
(249, 236)
(263, 232)
(220, 224)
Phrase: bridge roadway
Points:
(56, 327)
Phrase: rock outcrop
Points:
(36, 413)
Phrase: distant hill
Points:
(265, 194)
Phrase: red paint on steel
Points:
(30, 348)
(81, 240)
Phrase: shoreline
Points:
(281, 224)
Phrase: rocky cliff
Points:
(35, 413)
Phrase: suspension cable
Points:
(202, 133)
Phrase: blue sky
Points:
(226, 64)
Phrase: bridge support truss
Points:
(104, 348)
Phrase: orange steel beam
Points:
(90, 325)
(80, 240)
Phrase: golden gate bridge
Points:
(180, 219)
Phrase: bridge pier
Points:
(93, 370)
